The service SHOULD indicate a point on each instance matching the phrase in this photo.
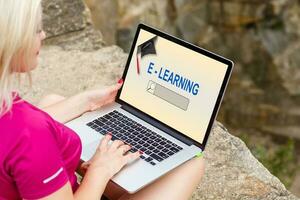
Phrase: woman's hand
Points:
(98, 98)
(110, 157)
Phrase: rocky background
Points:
(77, 57)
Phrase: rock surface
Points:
(231, 173)
(62, 16)
(104, 15)
(69, 72)
(67, 23)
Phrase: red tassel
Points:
(138, 63)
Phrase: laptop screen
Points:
(173, 84)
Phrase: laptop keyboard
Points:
(156, 148)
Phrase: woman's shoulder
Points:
(25, 127)
(25, 116)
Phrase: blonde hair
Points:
(19, 21)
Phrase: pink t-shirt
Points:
(38, 155)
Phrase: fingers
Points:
(119, 84)
(120, 147)
(111, 93)
(115, 88)
(116, 144)
(123, 149)
(130, 157)
(121, 81)
(104, 142)
(111, 98)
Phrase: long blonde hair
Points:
(19, 21)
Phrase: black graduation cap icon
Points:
(144, 49)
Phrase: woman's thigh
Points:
(113, 191)
(179, 183)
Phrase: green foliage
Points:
(280, 161)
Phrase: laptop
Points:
(166, 107)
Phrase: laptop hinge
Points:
(157, 124)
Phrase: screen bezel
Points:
(188, 45)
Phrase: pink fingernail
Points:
(120, 81)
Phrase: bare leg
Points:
(113, 191)
(50, 100)
(179, 184)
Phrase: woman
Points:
(39, 155)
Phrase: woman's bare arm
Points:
(89, 188)
(68, 108)
(74, 106)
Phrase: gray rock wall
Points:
(231, 173)
(68, 22)
(63, 16)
